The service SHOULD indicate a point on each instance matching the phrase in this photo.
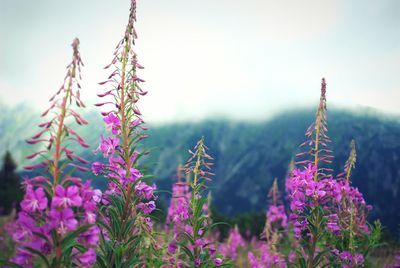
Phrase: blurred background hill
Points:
(248, 154)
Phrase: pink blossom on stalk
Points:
(23, 230)
(147, 208)
(230, 247)
(134, 175)
(179, 210)
(291, 256)
(276, 214)
(97, 168)
(358, 259)
(97, 195)
(66, 197)
(332, 224)
(149, 223)
(90, 237)
(253, 262)
(266, 259)
(90, 212)
(63, 220)
(108, 146)
(34, 200)
(217, 261)
(144, 190)
(88, 258)
(113, 121)
(23, 258)
(172, 247)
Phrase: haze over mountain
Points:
(249, 155)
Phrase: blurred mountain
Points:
(249, 155)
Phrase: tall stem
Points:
(316, 145)
(125, 136)
(194, 194)
(310, 260)
(57, 152)
(314, 240)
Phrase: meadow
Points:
(318, 219)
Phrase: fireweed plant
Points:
(56, 224)
(188, 213)
(124, 212)
(233, 244)
(270, 249)
(327, 213)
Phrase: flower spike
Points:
(129, 200)
(317, 141)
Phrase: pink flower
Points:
(63, 220)
(345, 255)
(34, 200)
(276, 214)
(90, 212)
(66, 197)
(135, 175)
(23, 258)
(234, 242)
(147, 207)
(88, 258)
(172, 247)
(332, 224)
(97, 168)
(113, 121)
(24, 227)
(144, 190)
(358, 258)
(149, 223)
(217, 261)
(97, 194)
(252, 260)
(292, 256)
(108, 146)
(91, 236)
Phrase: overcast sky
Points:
(233, 58)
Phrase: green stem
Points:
(314, 240)
(57, 152)
(194, 194)
(316, 145)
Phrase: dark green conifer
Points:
(10, 185)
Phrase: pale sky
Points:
(241, 59)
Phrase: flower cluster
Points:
(305, 194)
(71, 208)
(179, 210)
(347, 259)
(276, 226)
(276, 217)
(188, 213)
(234, 242)
(267, 258)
